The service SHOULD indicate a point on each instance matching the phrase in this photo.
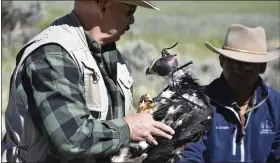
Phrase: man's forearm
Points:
(102, 139)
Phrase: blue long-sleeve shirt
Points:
(261, 142)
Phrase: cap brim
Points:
(246, 57)
(145, 4)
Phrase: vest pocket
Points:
(92, 89)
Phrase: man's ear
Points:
(221, 59)
(103, 5)
(102, 8)
(262, 67)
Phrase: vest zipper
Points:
(243, 145)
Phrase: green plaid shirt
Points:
(53, 86)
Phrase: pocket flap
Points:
(123, 76)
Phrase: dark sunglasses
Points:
(131, 10)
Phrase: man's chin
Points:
(241, 86)
(127, 28)
(117, 38)
(121, 34)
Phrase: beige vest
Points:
(30, 146)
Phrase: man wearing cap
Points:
(70, 91)
(246, 123)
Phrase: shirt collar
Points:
(251, 103)
(94, 46)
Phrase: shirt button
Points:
(95, 45)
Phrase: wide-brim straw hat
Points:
(246, 44)
(145, 4)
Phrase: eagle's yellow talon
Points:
(146, 104)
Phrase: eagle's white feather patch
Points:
(122, 156)
(143, 145)
(163, 101)
(171, 110)
(179, 123)
(178, 108)
(191, 98)
(198, 102)
(167, 94)
(186, 96)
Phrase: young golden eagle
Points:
(182, 105)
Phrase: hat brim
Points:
(246, 57)
(141, 3)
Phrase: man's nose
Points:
(131, 19)
(236, 66)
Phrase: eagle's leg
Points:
(172, 78)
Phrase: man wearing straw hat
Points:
(70, 91)
(246, 123)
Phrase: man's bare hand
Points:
(143, 127)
